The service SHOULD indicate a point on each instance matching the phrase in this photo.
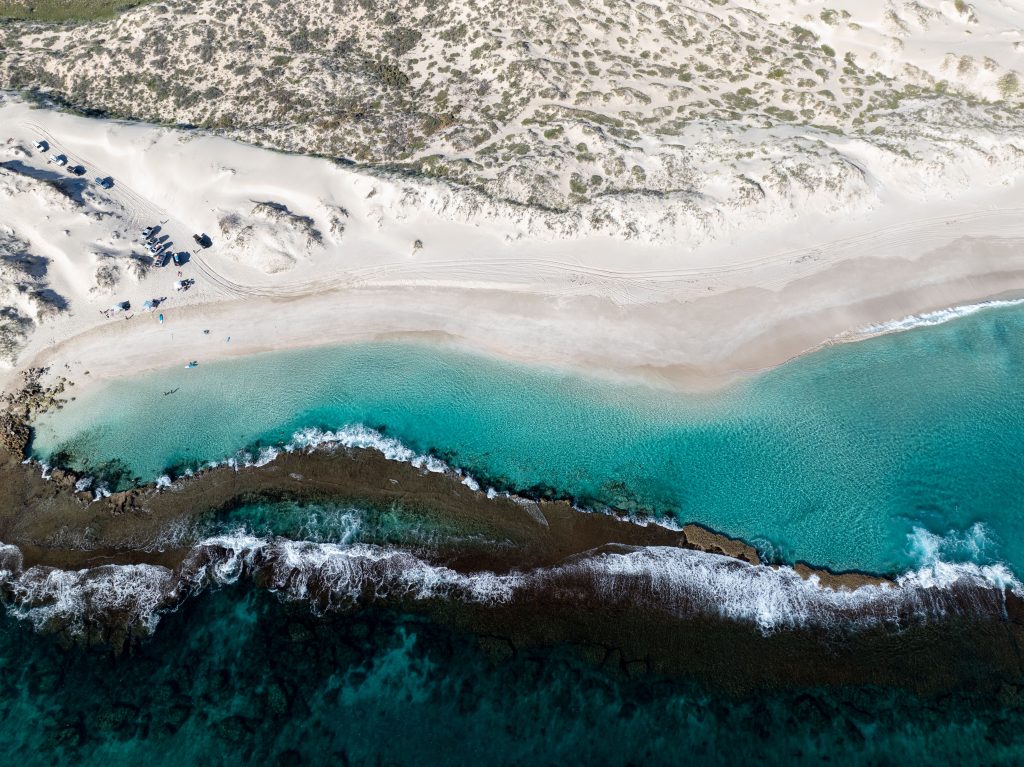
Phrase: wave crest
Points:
(928, 319)
(682, 583)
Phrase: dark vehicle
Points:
(78, 170)
(203, 240)
(180, 258)
(106, 182)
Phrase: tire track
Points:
(573, 276)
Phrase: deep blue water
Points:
(238, 677)
(876, 455)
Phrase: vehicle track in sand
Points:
(568, 278)
(565, 277)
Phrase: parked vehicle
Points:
(106, 182)
(59, 159)
(181, 257)
(160, 259)
(147, 232)
(41, 146)
(203, 240)
(78, 170)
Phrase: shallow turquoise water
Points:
(846, 458)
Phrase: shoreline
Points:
(689, 317)
(108, 352)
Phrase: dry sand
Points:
(341, 264)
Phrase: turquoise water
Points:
(847, 458)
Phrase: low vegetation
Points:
(65, 10)
(500, 96)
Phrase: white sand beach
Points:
(306, 251)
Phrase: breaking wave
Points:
(927, 319)
(352, 436)
(681, 583)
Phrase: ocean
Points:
(878, 455)
(240, 677)
(899, 455)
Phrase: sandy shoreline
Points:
(692, 319)
(637, 342)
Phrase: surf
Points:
(833, 458)
(330, 577)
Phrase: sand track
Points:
(683, 314)
(627, 286)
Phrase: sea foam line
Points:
(353, 436)
(682, 583)
(938, 317)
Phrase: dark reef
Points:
(975, 646)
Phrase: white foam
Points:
(928, 548)
(265, 456)
(355, 436)
(364, 438)
(50, 598)
(682, 583)
(343, 575)
(939, 317)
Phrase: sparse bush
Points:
(1009, 85)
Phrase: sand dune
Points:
(309, 252)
